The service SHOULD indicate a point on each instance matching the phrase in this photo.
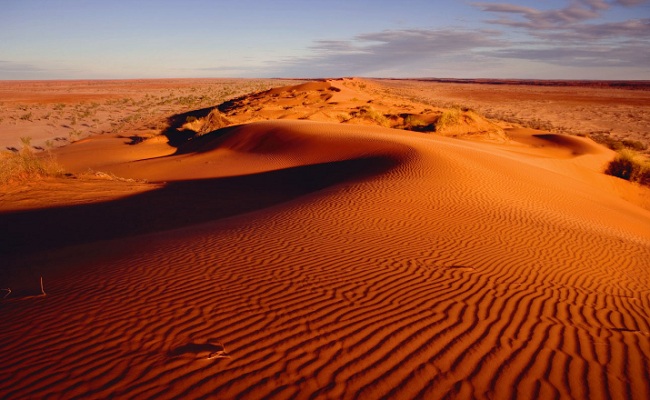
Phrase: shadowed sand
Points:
(334, 261)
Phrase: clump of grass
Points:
(367, 112)
(449, 118)
(617, 144)
(25, 165)
(343, 117)
(630, 166)
(413, 123)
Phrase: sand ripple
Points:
(455, 272)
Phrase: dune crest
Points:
(351, 101)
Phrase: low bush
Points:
(25, 165)
(412, 123)
(630, 166)
(449, 118)
(616, 144)
(369, 113)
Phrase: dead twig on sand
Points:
(8, 291)
(219, 353)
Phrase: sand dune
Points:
(302, 259)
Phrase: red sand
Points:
(323, 260)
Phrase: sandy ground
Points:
(597, 108)
(301, 253)
(60, 112)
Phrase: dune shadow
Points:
(175, 135)
(572, 144)
(177, 204)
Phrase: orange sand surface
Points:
(317, 256)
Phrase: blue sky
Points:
(544, 39)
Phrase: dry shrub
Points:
(630, 166)
(369, 113)
(25, 165)
(449, 118)
(413, 123)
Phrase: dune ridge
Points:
(455, 270)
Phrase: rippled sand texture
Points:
(365, 263)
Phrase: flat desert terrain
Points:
(338, 239)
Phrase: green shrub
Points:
(630, 166)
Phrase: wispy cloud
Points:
(11, 66)
(630, 55)
(577, 19)
(10, 69)
(630, 2)
(371, 52)
(574, 35)
(580, 34)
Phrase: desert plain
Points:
(344, 238)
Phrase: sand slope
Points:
(300, 259)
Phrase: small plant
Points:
(448, 118)
(630, 166)
(634, 145)
(412, 123)
(74, 134)
(367, 112)
(27, 142)
(342, 117)
(26, 117)
(87, 113)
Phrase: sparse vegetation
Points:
(342, 117)
(26, 165)
(74, 134)
(450, 117)
(634, 145)
(367, 112)
(630, 166)
(617, 144)
(412, 123)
